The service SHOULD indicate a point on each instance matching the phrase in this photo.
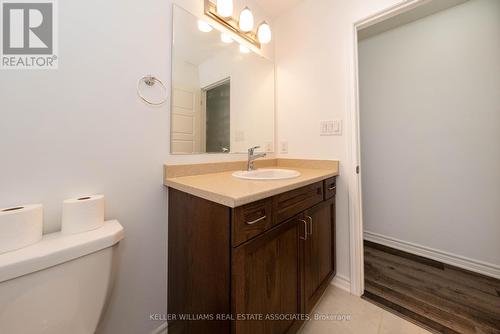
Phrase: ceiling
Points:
(274, 8)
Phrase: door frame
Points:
(357, 278)
(203, 102)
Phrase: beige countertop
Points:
(221, 187)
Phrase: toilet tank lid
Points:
(57, 248)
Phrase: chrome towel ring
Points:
(150, 81)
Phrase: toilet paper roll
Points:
(82, 214)
(20, 226)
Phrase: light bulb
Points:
(264, 33)
(246, 20)
(204, 26)
(225, 8)
(244, 49)
(226, 38)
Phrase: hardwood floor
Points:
(440, 297)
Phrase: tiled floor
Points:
(365, 318)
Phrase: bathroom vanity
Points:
(249, 256)
(245, 255)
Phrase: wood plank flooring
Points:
(440, 297)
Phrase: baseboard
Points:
(476, 266)
(342, 282)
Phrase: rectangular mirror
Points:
(222, 98)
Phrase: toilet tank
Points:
(59, 285)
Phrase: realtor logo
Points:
(28, 34)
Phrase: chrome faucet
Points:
(252, 157)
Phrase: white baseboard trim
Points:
(341, 282)
(476, 266)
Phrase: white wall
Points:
(430, 129)
(81, 129)
(186, 74)
(314, 54)
(252, 96)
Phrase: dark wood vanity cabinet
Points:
(265, 280)
(258, 268)
(319, 252)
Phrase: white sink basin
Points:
(267, 174)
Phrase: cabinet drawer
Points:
(330, 187)
(251, 220)
(293, 202)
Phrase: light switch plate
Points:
(268, 147)
(284, 147)
(331, 128)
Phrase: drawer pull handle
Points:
(305, 229)
(256, 220)
(310, 225)
(332, 188)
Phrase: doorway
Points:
(216, 100)
(428, 101)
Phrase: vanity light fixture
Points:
(225, 8)
(218, 11)
(203, 26)
(226, 38)
(246, 20)
(244, 49)
(264, 33)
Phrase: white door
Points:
(186, 116)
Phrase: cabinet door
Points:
(319, 252)
(265, 281)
